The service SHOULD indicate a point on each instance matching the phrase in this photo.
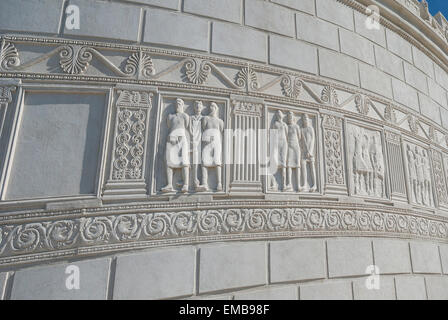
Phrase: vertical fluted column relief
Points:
(396, 166)
(246, 120)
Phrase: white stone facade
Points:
(150, 129)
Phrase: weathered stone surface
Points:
(425, 257)
(341, 290)
(31, 15)
(389, 63)
(410, 288)
(302, 5)
(429, 108)
(335, 12)
(437, 93)
(225, 10)
(375, 81)
(168, 28)
(271, 293)
(398, 45)
(356, 46)
(317, 31)
(231, 266)
(295, 260)
(338, 66)
(270, 17)
(376, 35)
(443, 249)
(155, 274)
(444, 117)
(415, 78)
(284, 52)
(405, 94)
(441, 76)
(3, 278)
(437, 287)
(238, 41)
(348, 257)
(170, 4)
(107, 20)
(392, 256)
(423, 62)
(50, 282)
(386, 290)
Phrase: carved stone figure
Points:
(427, 194)
(177, 153)
(212, 127)
(359, 166)
(294, 152)
(412, 169)
(308, 138)
(196, 137)
(280, 149)
(377, 160)
(368, 164)
(420, 176)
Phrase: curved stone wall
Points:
(276, 127)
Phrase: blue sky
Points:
(438, 5)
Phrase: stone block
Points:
(405, 94)
(444, 117)
(270, 17)
(374, 80)
(176, 29)
(398, 45)
(295, 260)
(158, 274)
(441, 76)
(229, 10)
(386, 290)
(425, 257)
(389, 63)
(443, 249)
(236, 41)
(338, 66)
(3, 278)
(392, 256)
(423, 62)
(273, 293)
(107, 20)
(327, 291)
(415, 78)
(429, 108)
(284, 52)
(376, 35)
(31, 15)
(348, 257)
(314, 30)
(169, 4)
(50, 282)
(410, 288)
(437, 287)
(232, 266)
(356, 46)
(302, 5)
(335, 12)
(437, 93)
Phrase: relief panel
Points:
(292, 151)
(190, 151)
(366, 162)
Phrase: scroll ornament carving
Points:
(140, 64)
(197, 70)
(247, 78)
(9, 56)
(333, 150)
(291, 86)
(439, 179)
(130, 134)
(250, 108)
(75, 59)
(390, 114)
(362, 105)
(414, 123)
(52, 236)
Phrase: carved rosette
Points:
(130, 131)
(334, 167)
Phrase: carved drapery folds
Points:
(132, 110)
(439, 179)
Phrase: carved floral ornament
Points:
(40, 240)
